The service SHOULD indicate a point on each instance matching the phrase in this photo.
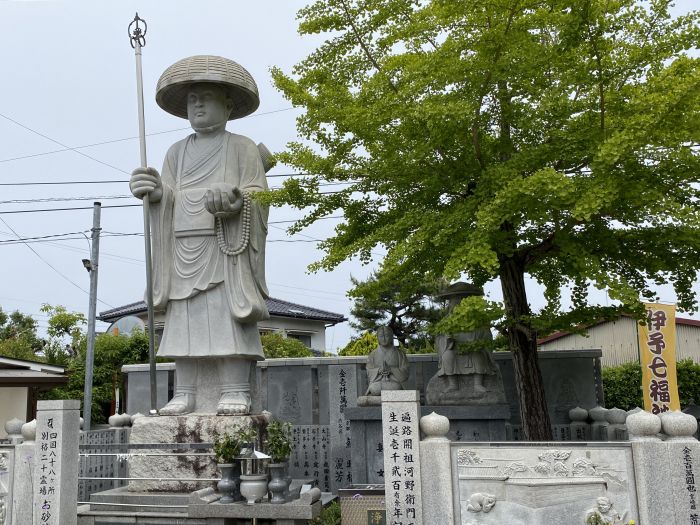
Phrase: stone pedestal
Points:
(468, 423)
(55, 481)
(192, 428)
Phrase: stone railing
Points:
(648, 479)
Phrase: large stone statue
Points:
(387, 368)
(208, 235)
(471, 377)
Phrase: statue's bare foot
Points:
(181, 403)
(233, 404)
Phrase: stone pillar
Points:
(436, 470)
(402, 465)
(652, 469)
(56, 462)
(580, 429)
(22, 495)
(7, 471)
(684, 464)
(617, 431)
(599, 427)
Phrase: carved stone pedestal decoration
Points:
(193, 428)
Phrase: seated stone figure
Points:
(387, 366)
(604, 513)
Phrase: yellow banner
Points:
(657, 355)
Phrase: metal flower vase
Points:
(229, 485)
(279, 484)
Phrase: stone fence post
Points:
(436, 470)
(55, 484)
(402, 464)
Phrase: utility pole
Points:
(91, 267)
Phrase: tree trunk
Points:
(522, 341)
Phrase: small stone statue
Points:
(469, 377)
(481, 502)
(208, 234)
(387, 368)
(604, 514)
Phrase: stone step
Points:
(122, 500)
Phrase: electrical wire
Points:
(67, 148)
(49, 264)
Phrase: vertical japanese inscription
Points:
(401, 459)
(49, 466)
(343, 394)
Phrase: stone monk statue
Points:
(208, 235)
(387, 366)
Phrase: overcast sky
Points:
(68, 82)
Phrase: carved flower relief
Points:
(467, 457)
(3, 461)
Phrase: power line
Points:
(120, 181)
(69, 209)
(68, 199)
(61, 144)
(66, 148)
(49, 264)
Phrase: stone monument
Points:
(208, 245)
(470, 377)
(387, 368)
(208, 233)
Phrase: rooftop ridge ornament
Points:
(137, 35)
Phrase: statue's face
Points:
(385, 336)
(207, 105)
(604, 505)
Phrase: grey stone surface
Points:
(23, 490)
(311, 454)
(138, 394)
(192, 428)
(540, 484)
(7, 474)
(102, 467)
(653, 472)
(291, 394)
(684, 465)
(678, 426)
(643, 426)
(55, 481)
(402, 457)
(436, 471)
(342, 394)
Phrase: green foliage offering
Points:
(494, 140)
(111, 352)
(227, 448)
(275, 345)
(361, 345)
(401, 302)
(622, 384)
(279, 440)
(330, 515)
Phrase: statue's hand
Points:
(146, 181)
(223, 200)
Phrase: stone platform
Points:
(467, 423)
(192, 428)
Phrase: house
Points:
(297, 321)
(20, 383)
(618, 340)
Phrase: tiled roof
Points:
(276, 307)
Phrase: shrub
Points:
(361, 345)
(275, 345)
(622, 384)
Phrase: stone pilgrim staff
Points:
(208, 234)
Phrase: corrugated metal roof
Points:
(276, 307)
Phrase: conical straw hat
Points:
(173, 84)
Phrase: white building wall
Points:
(316, 329)
(13, 404)
(688, 342)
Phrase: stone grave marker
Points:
(56, 462)
(401, 437)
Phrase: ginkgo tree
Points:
(505, 140)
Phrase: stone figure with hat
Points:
(387, 368)
(469, 377)
(208, 233)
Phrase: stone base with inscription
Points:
(192, 428)
(475, 423)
